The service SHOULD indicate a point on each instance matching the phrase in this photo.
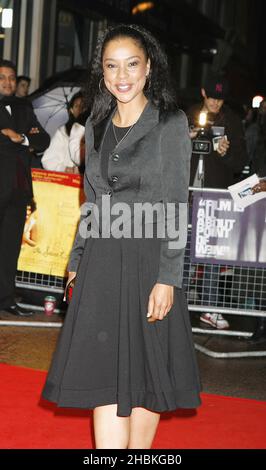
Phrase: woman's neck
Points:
(128, 113)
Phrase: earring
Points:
(100, 88)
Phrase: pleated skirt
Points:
(108, 352)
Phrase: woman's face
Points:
(77, 107)
(125, 69)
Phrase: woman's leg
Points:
(110, 431)
(143, 426)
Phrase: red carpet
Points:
(26, 422)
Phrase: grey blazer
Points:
(152, 164)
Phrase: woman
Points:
(126, 349)
(57, 157)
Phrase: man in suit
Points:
(20, 132)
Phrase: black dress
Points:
(108, 353)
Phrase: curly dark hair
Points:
(159, 90)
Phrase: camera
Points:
(201, 146)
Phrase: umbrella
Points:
(51, 99)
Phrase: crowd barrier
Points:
(216, 288)
(226, 288)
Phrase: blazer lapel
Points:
(100, 130)
(18, 115)
(148, 119)
(7, 119)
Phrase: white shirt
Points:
(57, 157)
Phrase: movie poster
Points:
(51, 226)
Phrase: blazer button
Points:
(115, 157)
(109, 192)
(114, 179)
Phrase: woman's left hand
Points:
(160, 302)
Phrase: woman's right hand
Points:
(71, 276)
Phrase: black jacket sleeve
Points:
(79, 242)
(40, 141)
(175, 171)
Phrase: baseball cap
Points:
(216, 86)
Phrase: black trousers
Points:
(12, 220)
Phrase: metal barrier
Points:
(41, 282)
(233, 290)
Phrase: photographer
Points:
(222, 167)
(219, 168)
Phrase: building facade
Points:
(49, 36)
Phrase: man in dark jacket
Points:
(222, 167)
(19, 133)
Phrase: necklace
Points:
(118, 142)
